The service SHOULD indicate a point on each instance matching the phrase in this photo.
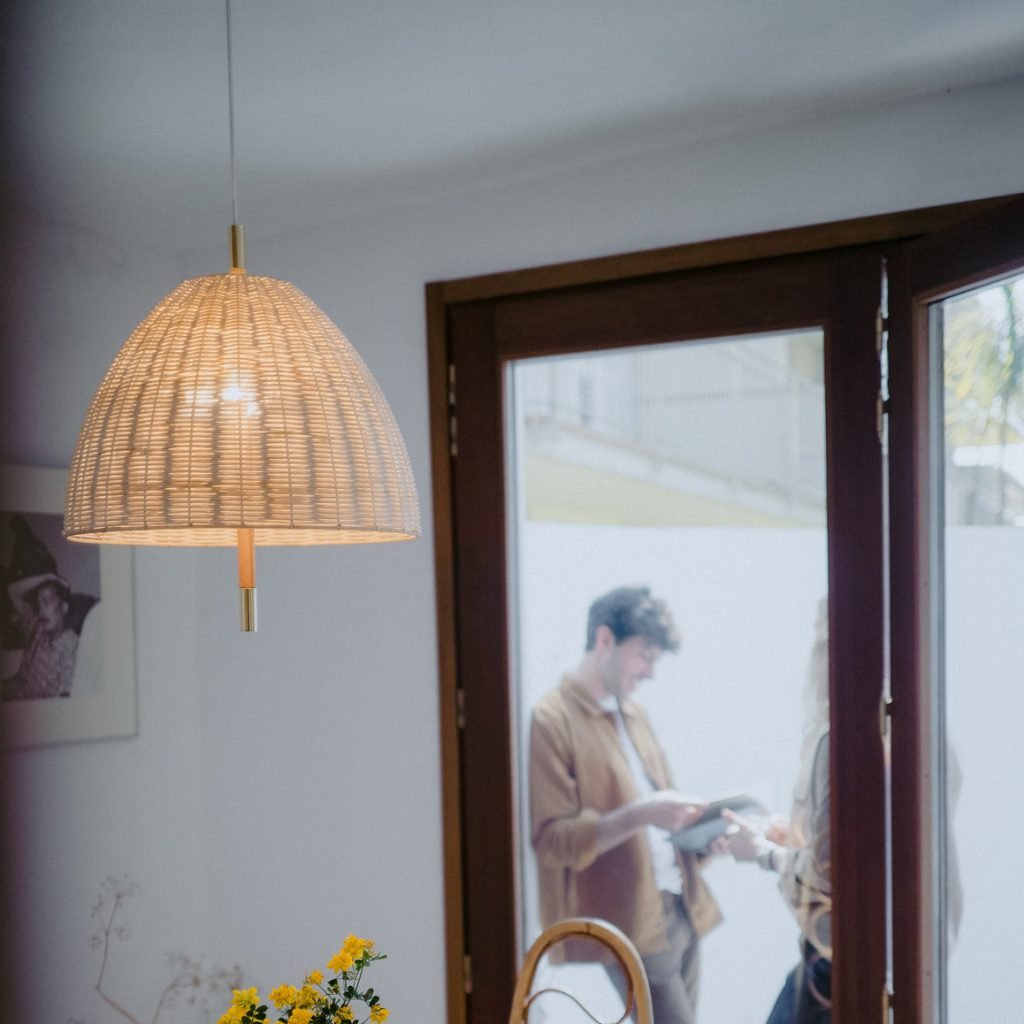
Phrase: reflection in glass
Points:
(981, 337)
(697, 469)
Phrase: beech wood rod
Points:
(247, 578)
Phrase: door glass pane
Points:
(981, 337)
(696, 470)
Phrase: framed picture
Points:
(67, 630)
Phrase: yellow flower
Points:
(344, 1014)
(378, 1014)
(245, 997)
(315, 977)
(341, 961)
(300, 1016)
(242, 1000)
(284, 995)
(353, 949)
(306, 996)
(357, 947)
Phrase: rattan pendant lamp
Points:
(237, 413)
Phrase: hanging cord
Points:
(246, 534)
(231, 120)
(237, 232)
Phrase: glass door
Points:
(980, 335)
(694, 473)
(710, 435)
(958, 646)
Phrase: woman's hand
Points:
(779, 831)
(746, 842)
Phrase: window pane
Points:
(697, 470)
(981, 336)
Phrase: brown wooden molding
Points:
(764, 245)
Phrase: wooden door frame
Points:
(933, 267)
(469, 299)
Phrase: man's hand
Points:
(670, 810)
(665, 809)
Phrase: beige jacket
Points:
(578, 772)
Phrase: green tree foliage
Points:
(984, 371)
(984, 363)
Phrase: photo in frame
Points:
(67, 630)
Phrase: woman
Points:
(41, 605)
(800, 852)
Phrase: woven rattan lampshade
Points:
(238, 405)
(237, 413)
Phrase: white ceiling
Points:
(120, 106)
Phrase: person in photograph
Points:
(47, 665)
(42, 618)
(602, 805)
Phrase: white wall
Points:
(283, 789)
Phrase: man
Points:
(602, 805)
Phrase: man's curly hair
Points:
(632, 611)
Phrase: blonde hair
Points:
(815, 698)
